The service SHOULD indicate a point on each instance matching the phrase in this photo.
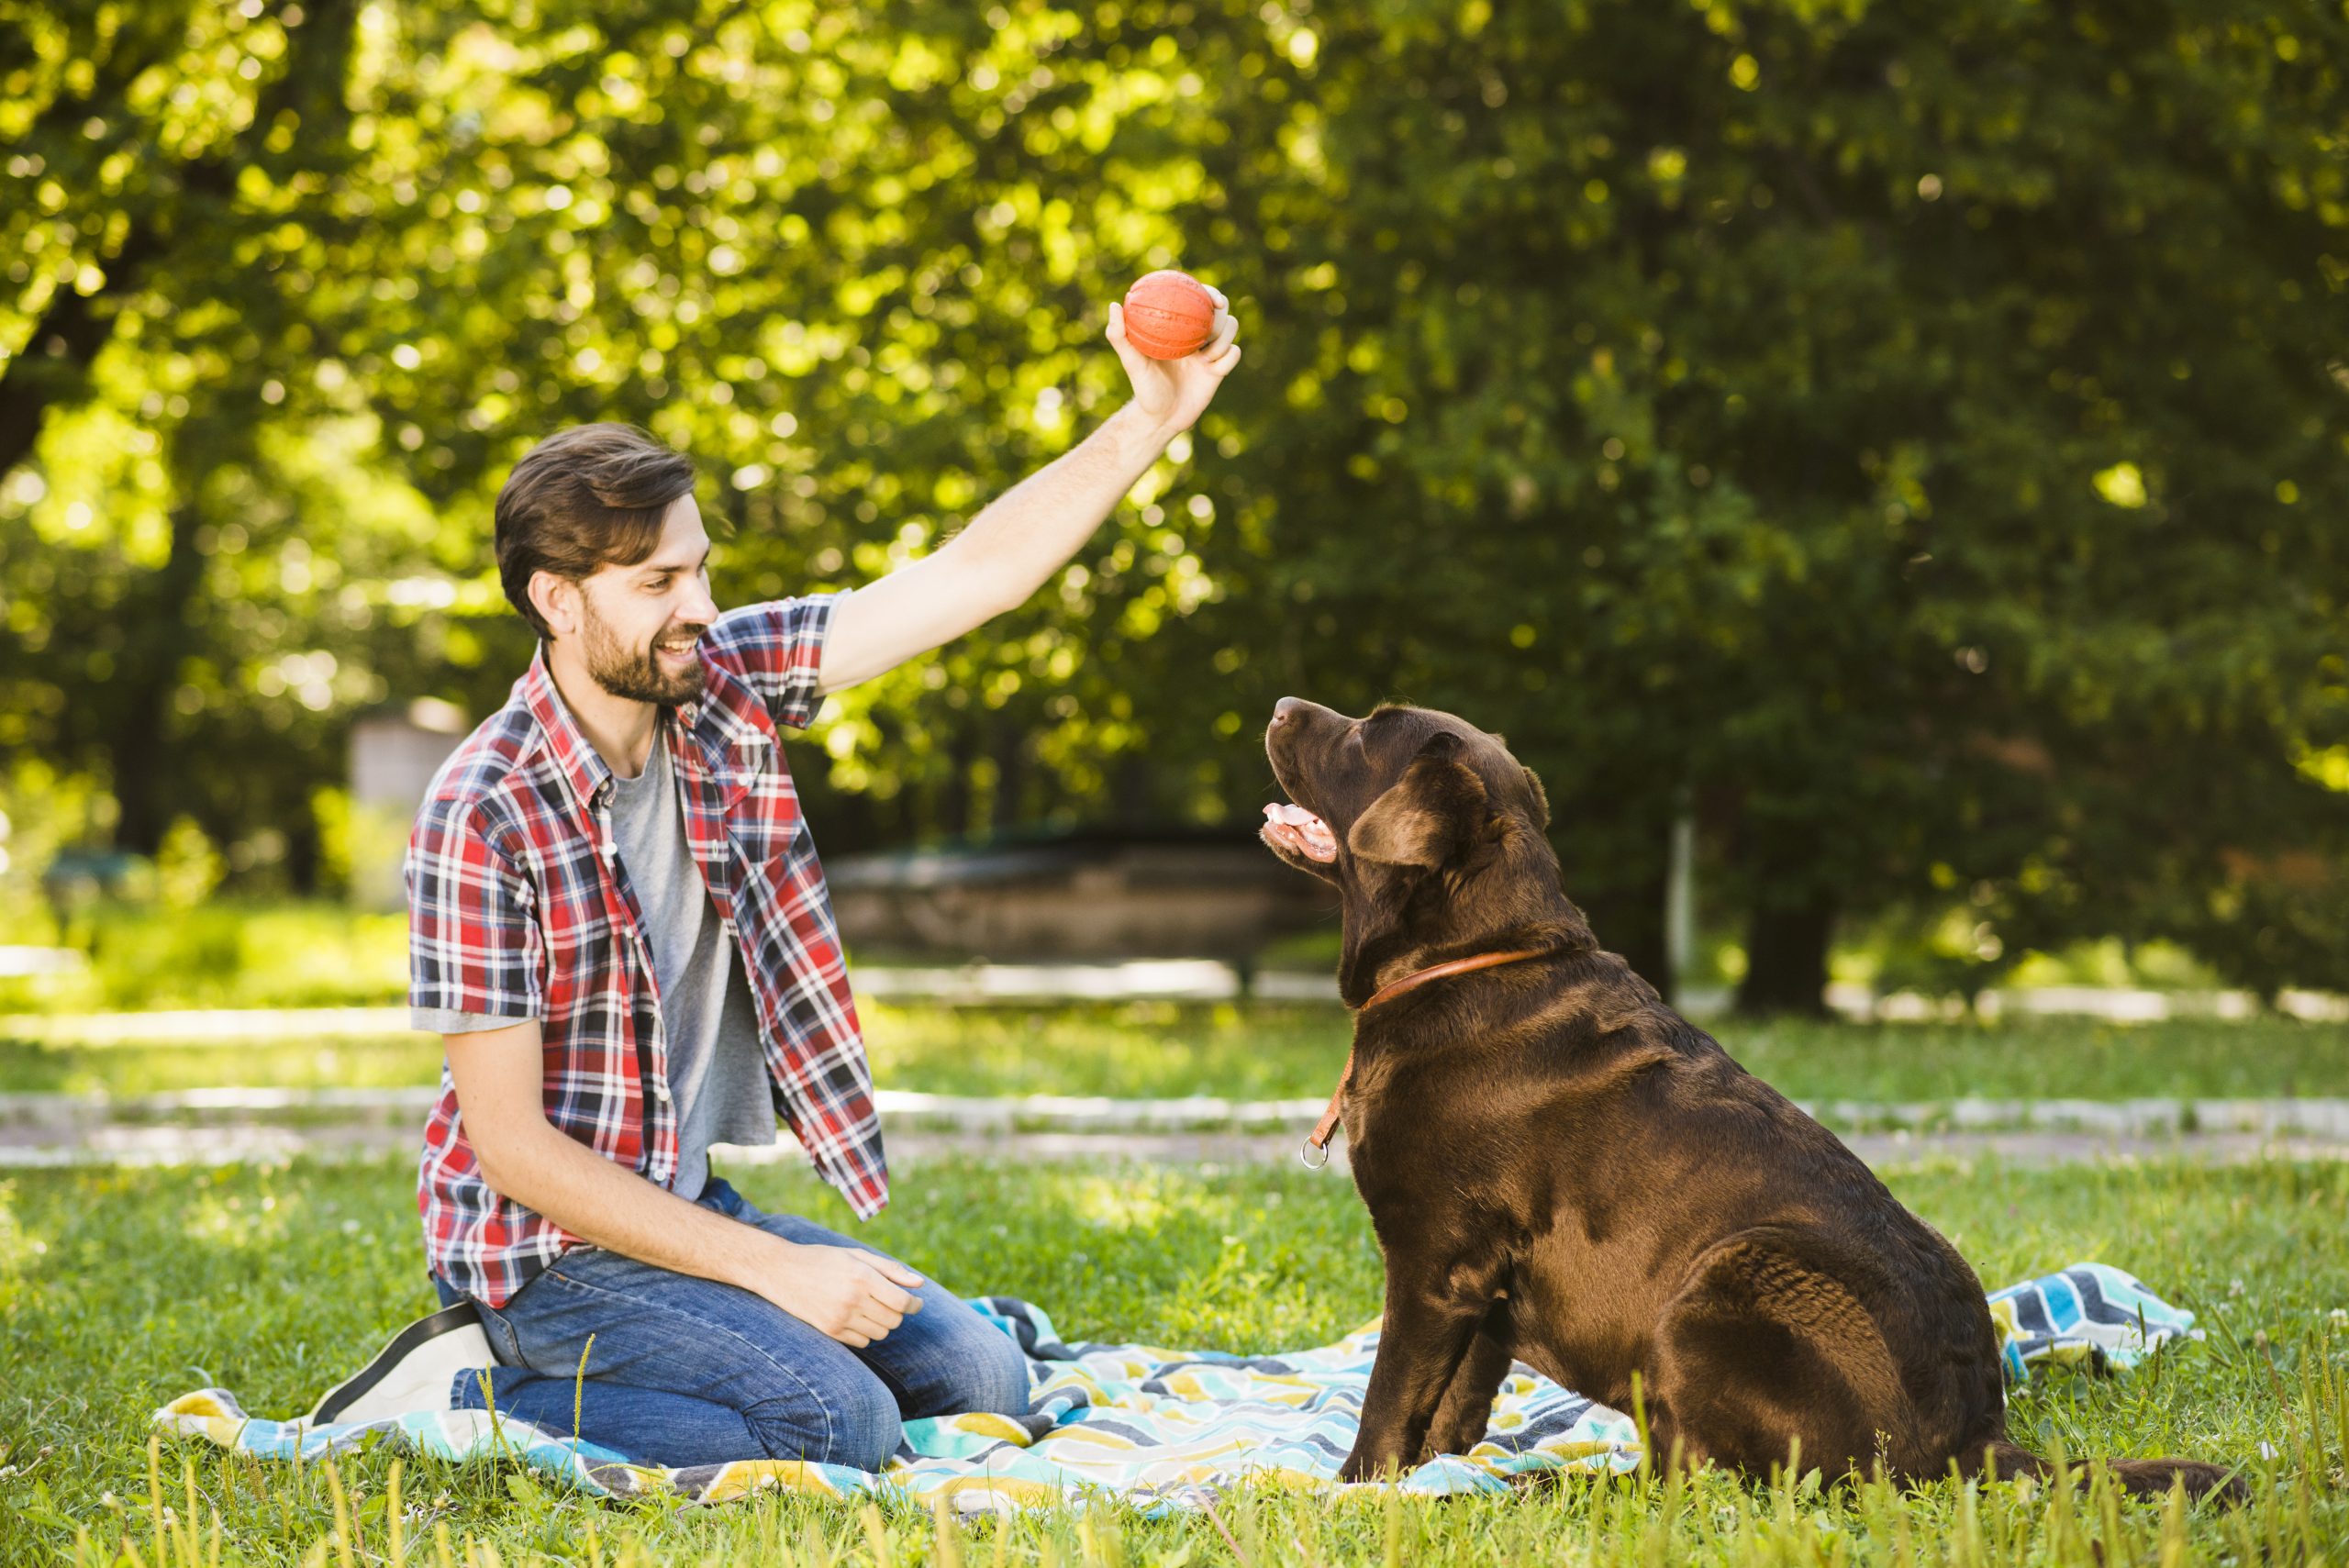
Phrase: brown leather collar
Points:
(1324, 1129)
(1417, 978)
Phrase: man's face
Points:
(640, 624)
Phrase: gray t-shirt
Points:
(718, 1074)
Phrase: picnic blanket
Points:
(1164, 1429)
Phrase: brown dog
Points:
(1562, 1169)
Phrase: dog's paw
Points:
(1455, 1440)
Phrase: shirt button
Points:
(661, 1093)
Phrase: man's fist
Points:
(844, 1293)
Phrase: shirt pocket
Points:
(762, 819)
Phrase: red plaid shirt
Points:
(517, 908)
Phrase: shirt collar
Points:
(576, 755)
(580, 764)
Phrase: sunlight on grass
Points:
(1126, 1202)
(270, 1281)
(20, 1249)
(1162, 1050)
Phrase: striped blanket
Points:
(1166, 1429)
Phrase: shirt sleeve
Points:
(443, 1020)
(473, 944)
(778, 649)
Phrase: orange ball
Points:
(1169, 315)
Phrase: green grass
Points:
(1266, 1052)
(225, 953)
(2046, 1057)
(1275, 1052)
(390, 1062)
(252, 950)
(119, 1289)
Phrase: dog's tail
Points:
(2143, 1477)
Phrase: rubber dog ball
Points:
(1169, 315)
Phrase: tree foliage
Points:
(1908, 437)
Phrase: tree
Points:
(1902, 435)
(163, 163)
(1896, 427)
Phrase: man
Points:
(619, 925)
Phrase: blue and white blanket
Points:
(1166, 1429)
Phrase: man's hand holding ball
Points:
(1176, 337)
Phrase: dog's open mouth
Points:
(1294, 828)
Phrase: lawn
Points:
(119, 1288)
(1268, 1052)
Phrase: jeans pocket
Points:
(505, 1344)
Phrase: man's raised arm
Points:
(1024, 535)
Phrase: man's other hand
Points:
(1174, 392)
(843, 1293)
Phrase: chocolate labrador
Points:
(1562, 1169)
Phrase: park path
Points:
(218, 1125)
(204, 1126)
(1161, 979)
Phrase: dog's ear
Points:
(1541, 798)
(1426, 815)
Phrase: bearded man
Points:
(618, 923)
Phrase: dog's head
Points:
(1431, 831)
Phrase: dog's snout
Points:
(1286, 709)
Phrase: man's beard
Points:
(635, 673)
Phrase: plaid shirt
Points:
(518, 908)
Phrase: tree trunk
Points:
(1616, 865)
(1785, 951)
(155, 639)
(1131, 791)
(1010, 751)
(1627, 918)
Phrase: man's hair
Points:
(584, 498)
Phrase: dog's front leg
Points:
(1420, 1344)
(1467, 1406)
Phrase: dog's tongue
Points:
(1294, 828)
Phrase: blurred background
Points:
(1882, 464)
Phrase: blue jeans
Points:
(686, 1370)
